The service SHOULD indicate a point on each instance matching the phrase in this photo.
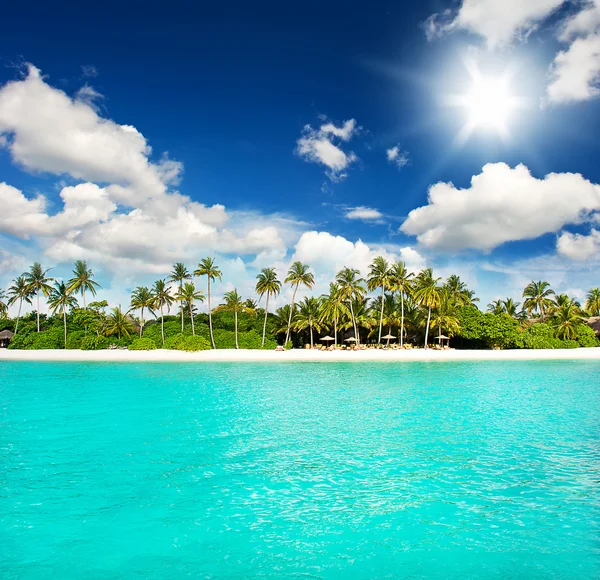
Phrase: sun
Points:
(488, 104)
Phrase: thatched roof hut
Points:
(594, 324)
(5, 338)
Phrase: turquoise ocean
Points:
(415, 470)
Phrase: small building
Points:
(594, 324)
(5, 338)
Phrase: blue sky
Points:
(314, 132)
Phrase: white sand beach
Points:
(371, 355)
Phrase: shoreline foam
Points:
(298, 355)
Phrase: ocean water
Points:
(447, 470)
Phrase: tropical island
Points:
(390, 308)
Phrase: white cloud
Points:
(363, 213)
(501, 205)
(317, 146)
(575, 72)
(499, 22)
(579, 247)
(398, 157)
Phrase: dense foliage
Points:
(390, 304)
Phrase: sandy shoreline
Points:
(298, 355)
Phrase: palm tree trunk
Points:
(83, 294)
(402, 320)
(142, 325)
(162, 325)
(427, 328)
(335, 330)
(265, 322)
(381, 315)
(354, 323)
(212, 338)
(192, 318)
(65, 325)
(38, 310)
(236, 330)
(311, 336)
(389, 333)
(287, 334)
(19, 315)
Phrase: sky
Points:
(457, 135)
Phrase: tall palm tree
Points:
(308, 316)
(379, 277)
(333, 308)
(179, 274)
(402, 282)
(234, 303)
(427, 294)
(267, 284)
(38, 282)
(592, 303)
(19, 291)
(567, 317)
(3, 304)
(142, 298)
(83, 279)
(445, 315)
(187, 296)
(496, 307)
(162, 298)
(208, 268)
(459, 294)
(119, 323)
(538, 298)
(511, 308)
(60, 299)
(298, 273)
(351, 287)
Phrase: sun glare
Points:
(488, 104)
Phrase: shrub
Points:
(196, 343)
(74, 339)
(487, 330)
(176, 342)
(142, 344)
(586, 337)
(94, 342)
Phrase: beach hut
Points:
(441, 338)
(5, 338)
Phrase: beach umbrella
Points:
(441, 337)
(351, 339)
(327, 338)
(389, 337)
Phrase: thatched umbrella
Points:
(441, 338)
(5, 338)
(327, 338)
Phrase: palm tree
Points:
(459, 294)
(379, 277)
(208, 268)
(308, 316)
(162, 297)
(59, 300)
(267, 284)
(351, 287)
(38, 281)
(511, 308)
(119, 322)
(188, 295)
(537, 298)
(496, 307)
(19, 291)
(233, 303)
(427, 294)
(592, 304)
(402, 282)
(333, 308)
(83, 279)
(142, 298)
(567, 317)
(178, 275)
(445, 314)
(3, 305)
(297, 274)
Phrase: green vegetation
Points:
(411, 308)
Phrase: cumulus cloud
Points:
(363, 213)
(398, 157)
(579, 247)
(319, 146)
(502, 204)
(575, 72)
(499, 22)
